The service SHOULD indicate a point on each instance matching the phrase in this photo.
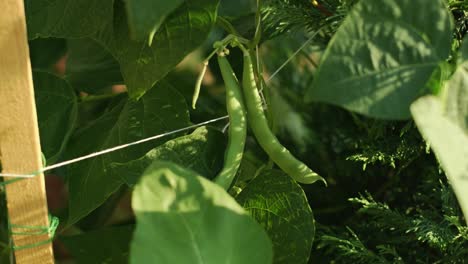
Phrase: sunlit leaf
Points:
(382, 56)
(193, 220)
(443, 122)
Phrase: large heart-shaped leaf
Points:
(279, 204)
(185, 218)
(91, 182)
(383, 54)
(56, 113)
(146, 16)
(106, 22)
(202, 151)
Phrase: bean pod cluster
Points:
(252, 112)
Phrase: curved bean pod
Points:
(198, 85)
(237, 127)
(267, 140)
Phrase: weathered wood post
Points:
(20, 150)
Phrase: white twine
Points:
(109, 150)
(294, 54)
(116, 148)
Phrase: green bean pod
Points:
(265, 137)
(237, 127)
(198, 85)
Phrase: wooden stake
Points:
(19, 136)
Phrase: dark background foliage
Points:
(388, 201)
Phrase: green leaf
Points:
(91, 182)
(202, 151)
(141, 65)
(444, 125)
(279, 204)
(67, 18)
(146, 16)
(90, 67)
(456, 97)
(109, 245)
(194, 220)
(383, 54)
(464, 51)
(56, 113)
(44, 53)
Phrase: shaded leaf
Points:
(142, 65)
(195, 220)
(106, 22)
(146, 16)
(109, 245)
(67, 18)
(91, 182)
(90, 67)
(44, 53)
(383, 54)
(202, 151)
(279, 204)
(56, 112)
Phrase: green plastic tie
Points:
(32, 230)
(36, 231)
